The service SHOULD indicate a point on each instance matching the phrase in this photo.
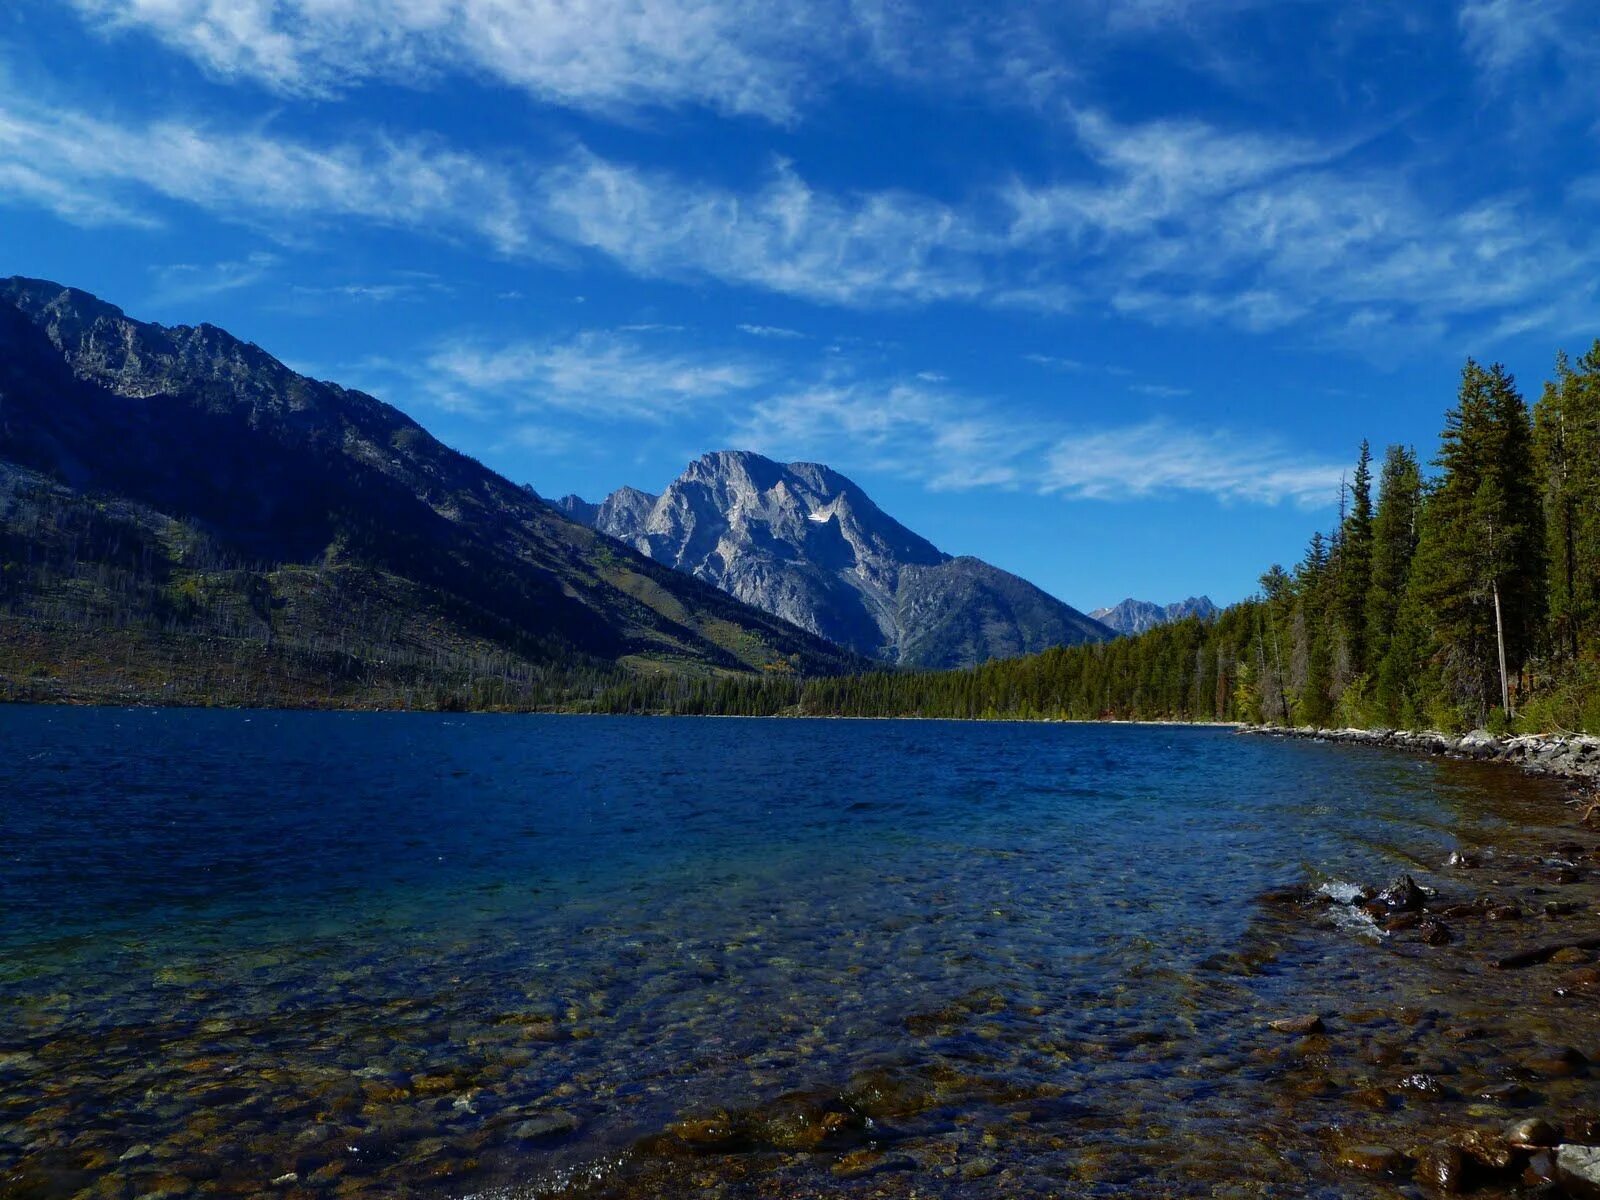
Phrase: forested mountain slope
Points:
(1136, 616)
(163, 484)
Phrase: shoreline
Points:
(333, 707)
(1574, 757)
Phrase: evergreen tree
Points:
(1314, 703)
(1394, 544)
(1355, 565)
(1479, 563)
(1567, 438)
(1277, 590)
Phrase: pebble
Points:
(1422, 1084)
(1435, 933)
(1510, 1094)
(1444, 1168)
(554, 1123)
(977, 1168)
(1373, 1159)
(1535, 1131)
(860, 1163)
(1309, 1023)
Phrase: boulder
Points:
(1578, 1170)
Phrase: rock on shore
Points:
(1569, 756)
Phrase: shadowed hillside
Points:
(176, 495)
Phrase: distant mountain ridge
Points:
(804, 542)
(1137, 616)
(300, 484)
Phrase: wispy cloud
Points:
(1055, 363)
(949, 441)
(1504, 36)
(771, 331)
(904, 427)
(103, 172)
(1158, 458)
(608, 56)
(179, 283)
(785, 236)
(389, 288)
(1176, 222)
(598, 374)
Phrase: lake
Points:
(314, 954)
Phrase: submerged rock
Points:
(1578, 1170)
(860, 1163)
(1435, 933)
(1533, 1132)
(1403, 895)
(1445, 1168)
(1375, 1160)
(1309, 1023)
(539, 1127)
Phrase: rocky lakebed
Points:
(1015, 965)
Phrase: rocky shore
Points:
(1489, 1090)
(1566, 756)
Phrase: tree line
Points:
(1460, 592)
(1465, 595)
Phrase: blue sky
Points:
(1104, 291)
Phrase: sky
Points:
(1106, 292)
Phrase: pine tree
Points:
(1355, 564)
(1277, 590)
(1394, 544)
(1567, 439)
(1479, 563)
(1314, 703)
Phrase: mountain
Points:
(578, 509)
(803, 542)
(172, 484)
(1135, 616)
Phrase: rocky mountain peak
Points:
(1133, 616)
(805, 542)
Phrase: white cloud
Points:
(98, 171)
(737, 56)
(903, 427)
(1504, 36)
(785, 236)
(183, 282)
(417, 286)
(771, 331)
(1055, 363)
(1174, 222)
(1189, 224)
(1156, 459)
(948, 441)
(599, 374)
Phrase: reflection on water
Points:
(396, 954)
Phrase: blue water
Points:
(220, 930)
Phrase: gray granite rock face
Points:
(805, 543)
